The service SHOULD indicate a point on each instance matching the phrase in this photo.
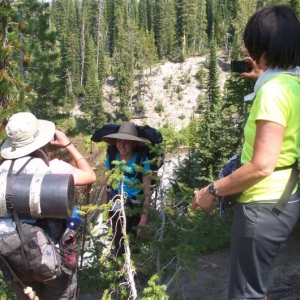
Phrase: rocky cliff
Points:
(168, 94)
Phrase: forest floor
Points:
(210, 280)
(212, 276)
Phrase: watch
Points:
(212, 189)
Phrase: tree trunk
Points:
(82, 52)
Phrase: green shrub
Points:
(139, 107)
(186, 78)
(200, 76)
(6, 291)
(180, 96)
(179, 89)
(167, 82)
(159, 108)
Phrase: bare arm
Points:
(84, 174)
(105, 196)
(146, 204)
(267, 145)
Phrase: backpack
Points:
(232, 164)
(154, 156)
(40, 261)
(27, 252)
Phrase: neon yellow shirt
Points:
(278, 100)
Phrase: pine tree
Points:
(235, 109)
(158, 27)
(295, 5)
(13, 60)
(210, 14)
(100, 43)
(115, 10)
(124, 61)
(45, 74)
(64, 20)
(143, 17)
(180, 23)
(187, 173)
(146, 52)
(199, 39)
(214, 131)
(93, 98)
(222, 24)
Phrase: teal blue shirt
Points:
(129, 189)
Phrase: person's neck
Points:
(127, 157)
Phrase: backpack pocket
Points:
(40, 262)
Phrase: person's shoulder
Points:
(280, 80)
(35, 165)
(275, 87)
(61, 167)
(57, 163)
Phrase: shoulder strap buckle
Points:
(9, 201)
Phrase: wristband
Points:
(79, 160)
(67, 145)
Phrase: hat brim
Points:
(112, 138)
(46, 133)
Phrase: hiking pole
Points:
(27, 289)
(87, 201)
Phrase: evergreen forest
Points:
(55, 55)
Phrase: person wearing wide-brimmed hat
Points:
(26, 135)
(126, 141)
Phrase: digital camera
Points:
(239, 66)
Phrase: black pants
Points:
(118, 238)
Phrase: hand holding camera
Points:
(247, 68)
(60, 139)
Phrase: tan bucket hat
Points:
(26, 134)
(127, 131)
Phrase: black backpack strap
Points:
(112, 154)
(11, 178)
(141, 156)
(12, 271)
(284, 199)
(39, 153)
